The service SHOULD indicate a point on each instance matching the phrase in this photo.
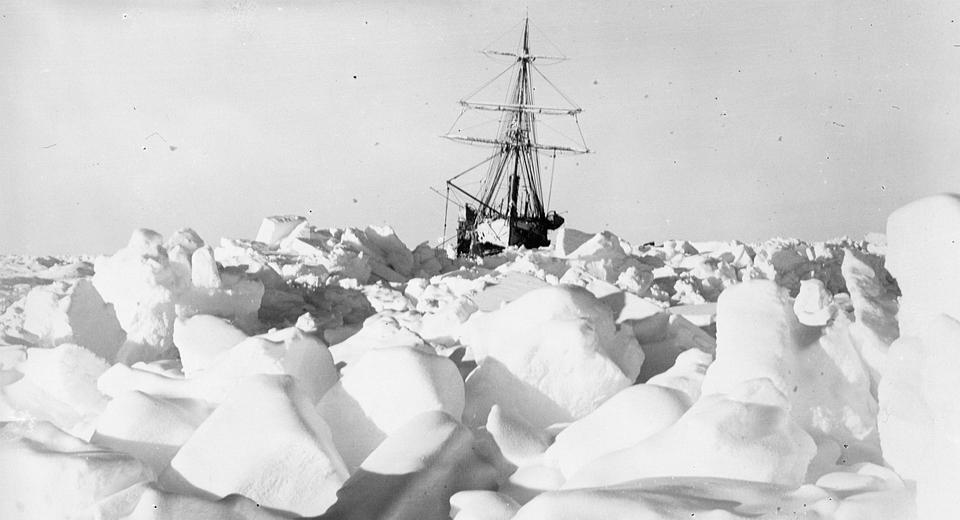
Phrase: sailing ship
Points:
(509, 208)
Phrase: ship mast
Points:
(524, 126)
(512, 190)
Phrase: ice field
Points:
(338, 373)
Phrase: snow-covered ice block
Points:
(875, 324)
(491, 383)
(185, 238)
(393, 251)
(204, 273)
(383, 297)
(10, 357)
(813, 305)
(629, 308)
(627, 418)
(276, 228)
(482, 505)
(343, 263)
(599, 287)
(73, 314)
(143, 287)
(531, 480)
(58, 385)
(939, 474)
(701, 315)
(664, 337)
(887, 504)
(379, 331)
(148, 502)
(285, 351)
(686, 374)
(682, 498)
(503, 290)
(922, 253)
(868, 491)
(265, 442)
(388, 258)
(860, 478)
(820, 370)
(517, 439)
(747, 435)
(151, 429)
(383, 390)
(232, 295)
(413, 474)
(603, 245)
(560, 341)
(201, 338)
(443, 327)
(756, 329)
(428, 261)
(567, 240)
(45, 473)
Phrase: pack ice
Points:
(337, 373)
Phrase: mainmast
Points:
(523, 98)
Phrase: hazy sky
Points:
(709, 120)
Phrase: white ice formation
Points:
(338, 373)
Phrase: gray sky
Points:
(710, 120)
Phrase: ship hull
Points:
(485, 236)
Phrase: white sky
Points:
(710, 120)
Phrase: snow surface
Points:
(338, 373)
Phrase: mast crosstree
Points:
(509, 208)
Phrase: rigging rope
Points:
(582, 139)
(487, 84)
(545, 78)
(553, 169)
(565, 136)
(455, 121)
(556, 47)
(446, 207)
(504, 33)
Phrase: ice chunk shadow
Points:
(493, 383)
(805, 336)
(332, 306)
(368, 494)
(354, 433)
(416, 470)
(154, 454)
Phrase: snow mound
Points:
(417, 469)
(819, 370)
(152, 429)
(142, 286)
(252, 441)
(384, 389)
(74, 313)
(58, 385)
(919, 418)
(201, 338)
(558, 342)
(274, 229)
(627, 418)
(746, 435)
(46, 473)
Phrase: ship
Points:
(509, 208)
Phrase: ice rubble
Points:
(337, 372)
